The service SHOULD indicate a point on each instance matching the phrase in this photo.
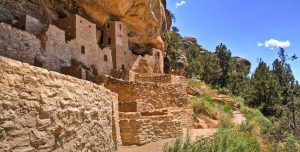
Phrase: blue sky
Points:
(250, 28)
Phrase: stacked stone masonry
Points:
(147, 96)
(149, 111)
(99, 50)
(19, 45)
(138, 130)
(47, 111)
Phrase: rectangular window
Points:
(109, 41)
(120, 26)
(108, 26)
(82, 49)
(105, 58)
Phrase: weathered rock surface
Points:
(47, 111)
(242, 60)
(145, 19)
(189, 41)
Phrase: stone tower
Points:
(114, 34)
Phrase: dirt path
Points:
(158, 146)
(238, 117)
(151, 147)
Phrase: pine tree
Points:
(173, 47)
(265, 93)
(224, 56)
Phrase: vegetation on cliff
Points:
(269, 98)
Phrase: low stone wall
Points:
(184, 115)
(138, 130)
(19, 45)
(163, 78)
(148, 96)
(47, 111)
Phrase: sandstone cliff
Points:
(145, 19)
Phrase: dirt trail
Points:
(158, 146)
(238, 117)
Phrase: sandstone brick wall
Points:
(30, 24)
(162, 78)
(47, 111)
(150, 95)
(149, 64)
(184, 115)
(138, 130)
(47, 50)
(56, 52)
(19, 45)
(82, 40)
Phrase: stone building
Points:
(114, 35)
(82, 39)
(77, 47)
(30, 24)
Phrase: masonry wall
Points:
(164, 78)
(123, 55)
(68, 25)
(114, 35)
(47, 111)
(19, 45)
(30, 25)
(56, 52)
(104, 62)
(184, 115)
(149, 96)
(149, 64)
(138, 130)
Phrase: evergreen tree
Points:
(173, 48)
(211, 69)
(224, 56)
(265, 93)
(195, 63)
(237, 82)
(284, 74)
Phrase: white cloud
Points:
(179, 4)
(272, 44)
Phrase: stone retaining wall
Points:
(47, 111)
(18, 45)
(148, 96)
(138, 130)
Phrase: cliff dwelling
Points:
(141, 94)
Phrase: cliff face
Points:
(146, 19)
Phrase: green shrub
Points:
(195, 116)
(227, 108)
(224, 91)
(204, 105)
(289, 144)
(239, 101)
(230, 140)
(225, 122)
(198, 84)
(177, 146)
(246, 126)
(225, 140)
(256, 116)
